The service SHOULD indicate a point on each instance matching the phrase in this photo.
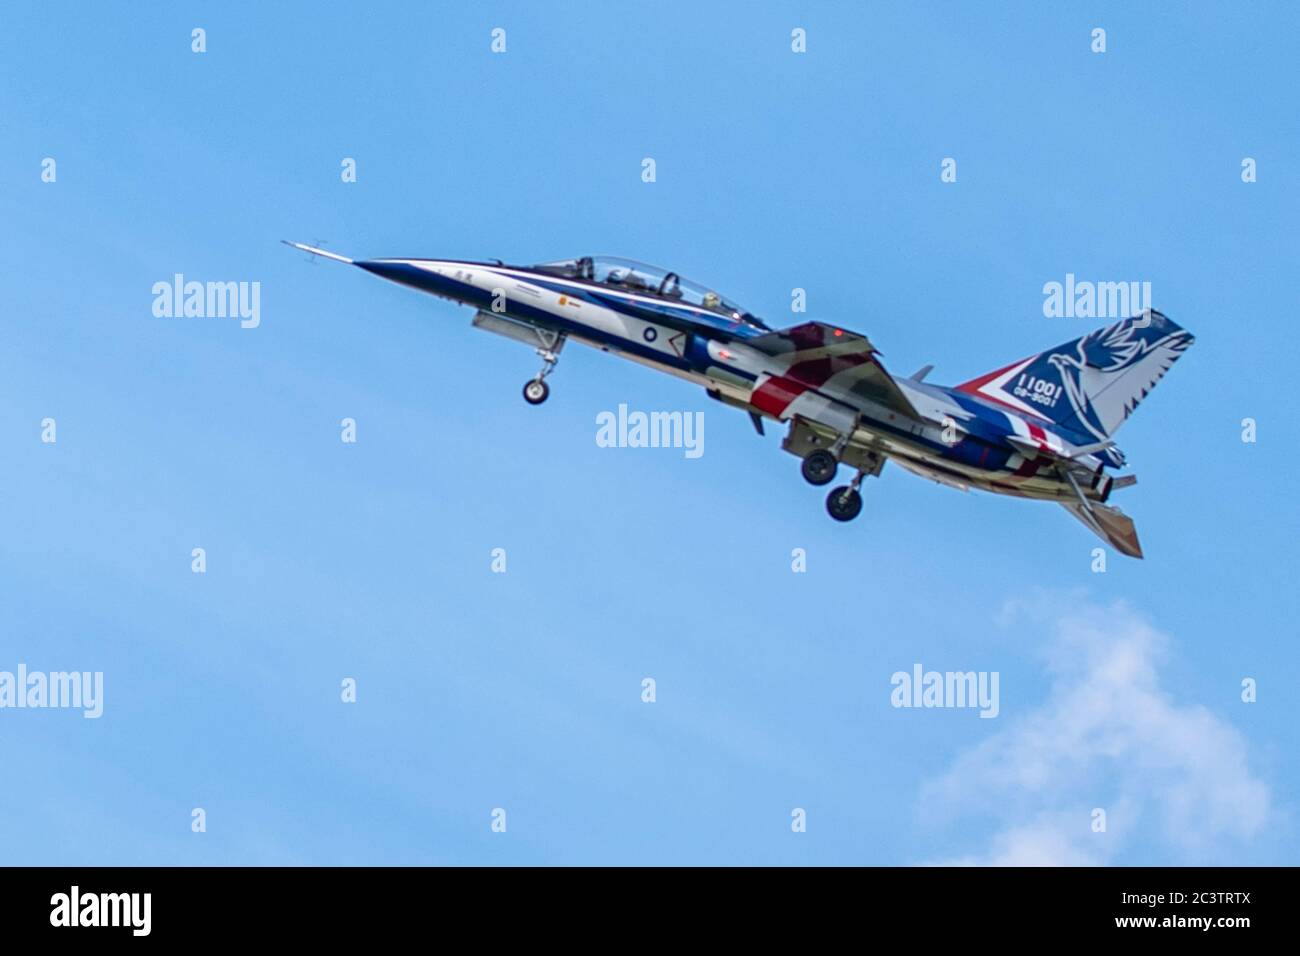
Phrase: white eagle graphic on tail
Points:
(1112, 369)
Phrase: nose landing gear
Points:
(536, 390)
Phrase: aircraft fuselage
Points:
(956, 438)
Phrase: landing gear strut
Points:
(536, 390)
(845, 502)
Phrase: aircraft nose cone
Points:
(407, 273)
(387, 269)
(427, 275)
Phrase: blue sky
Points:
(522, 690)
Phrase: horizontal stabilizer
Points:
(1032, 448)
(1109, 524)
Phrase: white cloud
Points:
(1109, 736)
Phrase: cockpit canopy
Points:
(630, 276)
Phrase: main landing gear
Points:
(821, 459)
(536, 390)
(845, 502)
(820, 467)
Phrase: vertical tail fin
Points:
(1091, 385)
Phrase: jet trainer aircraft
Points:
(1039, 428)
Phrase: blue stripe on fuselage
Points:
(675, 315)
(426, 280)
(519, 308)
(984, 447)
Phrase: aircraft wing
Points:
(815, 353)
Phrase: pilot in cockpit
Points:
(626, 278)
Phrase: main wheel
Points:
(819, 468)
(535, 391)
(844, 503)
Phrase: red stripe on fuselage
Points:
(775, 395)
(1027, 468)
(974, 385)
(975, 388)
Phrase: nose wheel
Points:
(536, 390)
